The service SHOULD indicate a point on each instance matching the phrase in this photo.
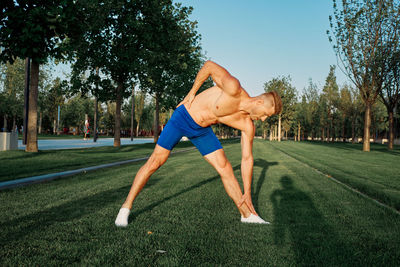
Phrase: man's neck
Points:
(246, 104)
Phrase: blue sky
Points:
(257, 40)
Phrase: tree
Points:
(345, 106)
(139, 105)
(36, 29)
(390, 95)
(74, 110)
(13, 80)
(171, 54)
(311, 109)
(358, 30)
(111, 44)
(53, 99)
(330, 93)
(287, 92)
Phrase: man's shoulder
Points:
(248, 124)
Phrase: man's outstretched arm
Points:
(247, 166)
(222, 78)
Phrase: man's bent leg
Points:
(219, 161)
(156, 160)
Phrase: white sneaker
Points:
(122, 217)
(253, 219)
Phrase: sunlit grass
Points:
(185, 211)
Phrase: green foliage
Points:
(287, 92)
(171, 53)
(74, 110)
(312, 114)
(36, 29)
(13, 80)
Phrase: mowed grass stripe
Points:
(342, 184)
(185, 211)
(376, 173)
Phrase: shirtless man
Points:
(226, 103)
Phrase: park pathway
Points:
(52, 144)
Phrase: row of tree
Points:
(365, 36)
(111, 45)
(114, 45)
(73, 109)
(327, 113)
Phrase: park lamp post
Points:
(26, 98)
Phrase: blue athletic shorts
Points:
(182, 124)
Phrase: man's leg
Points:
(219, 161)
(156, 160)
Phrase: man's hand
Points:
(246, 198)
(188, 99)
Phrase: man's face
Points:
(261, 111)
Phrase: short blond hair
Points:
(277, 101)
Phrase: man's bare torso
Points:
(214, 106)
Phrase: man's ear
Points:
(260, 101)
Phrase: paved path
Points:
(52, 176)
(50, 144)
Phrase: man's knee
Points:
(157, 159)
(222, 164)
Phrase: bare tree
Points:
(388, 65)
(358, 31)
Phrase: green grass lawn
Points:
(185, 211)
(19, 164)
(375, 173)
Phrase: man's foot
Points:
(253, 219)
(122, 217)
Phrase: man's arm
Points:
(247, 164)
(222, 78)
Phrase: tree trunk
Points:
(95, 120)
(391, 130)
(54, 127)
(298, 132)
(31, 142)
(270, 134)
(14, 124)
(5, 123)
(328, 133)
(137, 128)
(367, 126)
(132, 110)
(156, 118)
(117, 128)
(343, 129)
(353, 129)
(40, 122)
(279, 128)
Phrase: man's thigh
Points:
(206, 142)
(170, 136)
(218, 160)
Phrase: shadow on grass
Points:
(69, 211)
(262, 163)
(298, 223)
